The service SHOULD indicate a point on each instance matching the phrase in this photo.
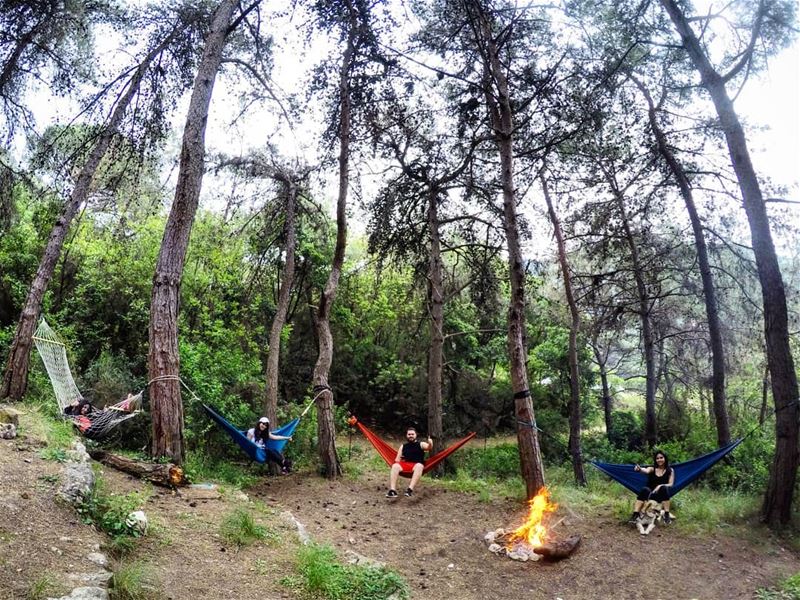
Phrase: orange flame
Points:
(533, 530)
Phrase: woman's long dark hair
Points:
(666, 460)
(260, 435)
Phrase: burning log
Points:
(531, 541)
(559, 549)
(167, 475)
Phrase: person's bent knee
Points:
(418, 467)
(397, 467)
(644, 494)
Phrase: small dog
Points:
(651, 512)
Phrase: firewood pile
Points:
(502, 543)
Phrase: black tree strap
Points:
(522, 394)
(321, 388)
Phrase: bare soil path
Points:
(435, 540)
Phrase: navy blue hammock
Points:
(685, 472)
(255, 452)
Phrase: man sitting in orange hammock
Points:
(412, 451)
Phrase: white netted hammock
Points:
(54, 357)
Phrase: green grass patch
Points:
(43, 587)
(322, 577)
(487, 488)
(199, 467)
(134, 581)
(239, 528)
(788, 589)
(40, 424)
(54, 454)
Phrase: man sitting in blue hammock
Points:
(259, 434)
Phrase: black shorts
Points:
(662, 495)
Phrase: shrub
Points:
(500, 461)
(109, 512)
(626, 431)
(789, 589)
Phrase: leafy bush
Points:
(789, 589)
(109, 512)
(322, 576)
(626, 431)
(500, 461)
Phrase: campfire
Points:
(532, 539)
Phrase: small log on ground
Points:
(167, 475)
(560, 548)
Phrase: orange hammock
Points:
(388, 454)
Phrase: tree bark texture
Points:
(709, 290)
(498, 103)
(15, 380)
(436, 315)
(163, 362)
(326, 427)
(777, 506)
(284, 295)
(574, 328)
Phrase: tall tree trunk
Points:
(15, 380)
(709, 290)
(648, 338)
(574, 327)
(163, 361)
(777, 507)
(606, 400)
(762, 414)
(326, 427)
(498, 103)
(281, 310)
(436, 308)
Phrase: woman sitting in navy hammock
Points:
(259, 434)
(660, 478)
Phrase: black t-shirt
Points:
(413, 452)
(653, 480)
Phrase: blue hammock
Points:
(685, 472)
(250, 448)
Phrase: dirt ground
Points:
(435, 540)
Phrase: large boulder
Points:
(9, 415)
(77, 483)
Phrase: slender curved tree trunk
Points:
(709, 290)
(606, 399)
(326, 427)
(15, 380)
(163, 361)
(436, 308)
(648, 337)
(282, 309)
(574, 327)
(777, 506)
(498, 103)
